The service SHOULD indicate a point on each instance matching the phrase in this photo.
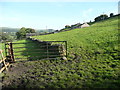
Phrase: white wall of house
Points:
(85, 25)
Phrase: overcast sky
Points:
(54, 14)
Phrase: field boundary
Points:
(3, 62)
(34, 49)
(61, 48)
(9, 51)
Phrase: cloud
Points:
(115, 11)
(87, 12)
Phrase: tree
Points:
(5, 37)
(111, 14)
(104, 16)
(101, 17)
(18, 35)
(67, 26)
(22, 32)
(30, 30)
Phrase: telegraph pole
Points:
(46, 28)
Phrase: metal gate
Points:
(32, 50)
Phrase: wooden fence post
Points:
(5, 49)
(11, 51)
(3, 61)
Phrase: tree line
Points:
(6, 37)
(103, 17)
(21, 34)
(96, 19)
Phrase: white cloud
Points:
(87, 12)
(113, 11)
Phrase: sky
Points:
(52, 14)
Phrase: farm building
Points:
(31, 34)
(85, 25)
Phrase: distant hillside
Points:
(7, 29)
(44, 30)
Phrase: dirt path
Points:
(15, 72)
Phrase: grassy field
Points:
(93, 61)
(2, 46)
(25, 49)
(29, 50)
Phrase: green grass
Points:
(93, 61)
(25, 49)
(2, 47)
(99, 38)
(29, 50)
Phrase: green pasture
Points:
(93, 61)
(99, 38)
(2, 47)
(29, 50)
(25, 50)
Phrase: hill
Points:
(44, 30)
(93, 61)
(99, 38)
(7, 29)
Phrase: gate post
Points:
(5, 49)
(11, 51)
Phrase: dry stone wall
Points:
(56, 49)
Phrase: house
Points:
(85, 25)
(30, 34)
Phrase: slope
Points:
(93, 61)
(100, 38)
